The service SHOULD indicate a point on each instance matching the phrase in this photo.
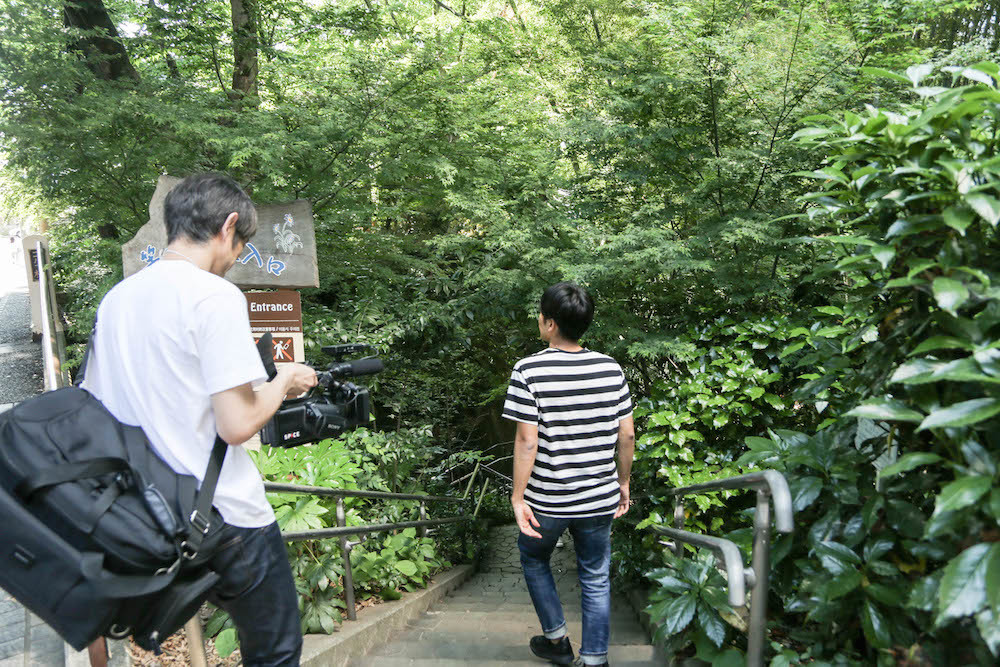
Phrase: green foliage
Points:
(723, 385)
(382, 565)
(894, 487)
(691, 594)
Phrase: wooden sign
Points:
(281, 254)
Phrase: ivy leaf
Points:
(961, 493)
(226, 642)
(407, 567)
(957, 218)
(962, 414)
(917, 73)
(804, 491)
(917, 371)
(886, 74)
(988, 622)
(978, 76)
(884, 254)
(993, 580)
(950, 294)
(836, 557)
(909, 462)
(714, 627)
(886, 408)
(668, 582)
(874, 625)
(843, 584)
(924, 593)
(963, 585)
(941, 343)
(774, 401)
(678, 613)
(304, 515)
(986, 206)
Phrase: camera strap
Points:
(200, 518)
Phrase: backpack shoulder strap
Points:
(200, 518)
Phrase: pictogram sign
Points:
(279, 313)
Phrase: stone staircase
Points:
(489, 620)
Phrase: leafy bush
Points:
(383, 565)
(897, 558)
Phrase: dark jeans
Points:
(258, 592)
(592, 539)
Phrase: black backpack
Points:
(98, 535)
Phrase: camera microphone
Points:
(356, 368)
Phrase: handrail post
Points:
(47, 319)
(195, 642)
(486, 483)
(761, 565)
(472, 479)
(423, 517)
(345, 548)
(679, 525)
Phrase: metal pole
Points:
(472, 479)
(761, 568)
(196, 642)
(482, 494)
(48, 362)
(423, 517)
(345, 548)
(679, 525)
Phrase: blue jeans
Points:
(592, 539)
(258, 591)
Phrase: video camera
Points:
(340, 406)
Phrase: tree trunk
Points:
(245, 49)
(103, 52)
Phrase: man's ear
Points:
(228, 230)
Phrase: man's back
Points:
(576, 399)
(168, 338)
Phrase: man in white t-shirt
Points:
(173, 353)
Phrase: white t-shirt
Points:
(168, 337)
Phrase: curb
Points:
(376, 625)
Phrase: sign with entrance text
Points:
(279, 313)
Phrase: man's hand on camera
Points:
(298, 379)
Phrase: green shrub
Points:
(896, 557)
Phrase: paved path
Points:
(20, 359)
(490, 619)
(25, 641)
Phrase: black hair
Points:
(570, 306)
(198, 206)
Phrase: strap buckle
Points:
(200, 523)
(188, 552)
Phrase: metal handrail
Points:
(732, 559)
(770, 486)
(277, 487)
(51, 363)
(343, 531)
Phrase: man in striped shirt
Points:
(573, 410)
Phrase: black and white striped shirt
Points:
(577, 400)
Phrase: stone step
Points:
(512, 633)
(571, 608)
(383, 661)
(524, 625)
(475, 652)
